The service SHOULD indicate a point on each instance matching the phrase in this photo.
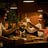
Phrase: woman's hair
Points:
(2, 12)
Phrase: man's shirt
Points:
(32, 30)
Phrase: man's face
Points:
(41, 19)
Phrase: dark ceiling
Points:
(36, 1)
(8, 0)
(40, 1)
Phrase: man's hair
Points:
(45, 16)
(2, 12)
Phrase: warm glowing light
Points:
(13, 7)
(28, 1)
(40, 10)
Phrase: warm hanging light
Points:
(13, 7)
(40, 10)
(28, 1)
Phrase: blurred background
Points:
(20, 8)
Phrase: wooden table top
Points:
(29, 39)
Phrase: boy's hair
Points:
(2, 12)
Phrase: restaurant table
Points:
(28, 41)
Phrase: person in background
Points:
(2, 28)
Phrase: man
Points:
(43, 21)
(39, 25)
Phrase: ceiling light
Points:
(28, 1)
(40, 10)
(13, 7)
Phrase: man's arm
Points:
(36, 27)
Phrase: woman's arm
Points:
(8, 31)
